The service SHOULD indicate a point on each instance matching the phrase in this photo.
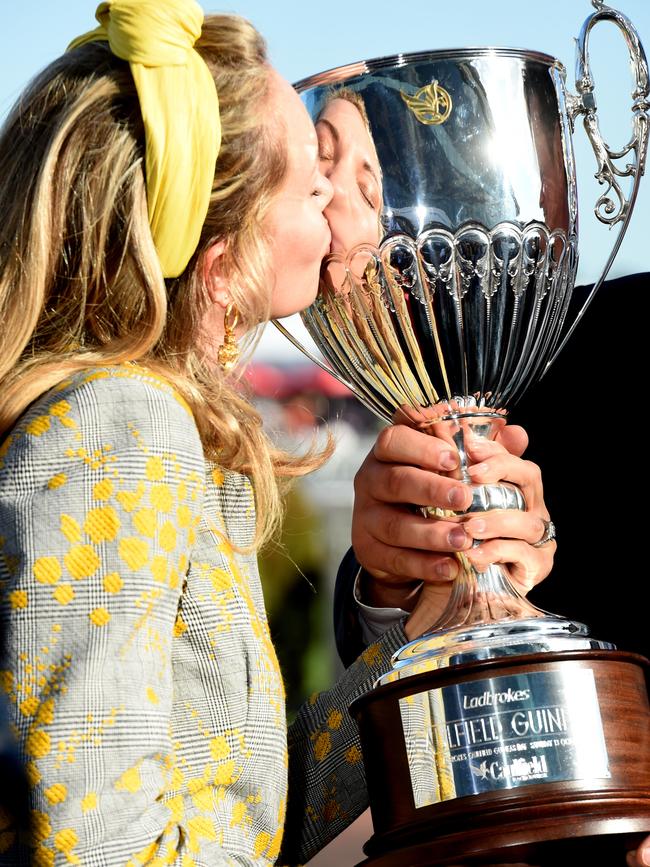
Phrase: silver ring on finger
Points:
(548, 535)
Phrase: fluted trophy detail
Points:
(448, 292)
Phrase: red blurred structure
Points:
(280, 383)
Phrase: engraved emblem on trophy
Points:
(505, 733)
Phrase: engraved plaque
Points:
(503, 732)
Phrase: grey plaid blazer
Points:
(143, 687)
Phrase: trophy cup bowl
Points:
(504, 733)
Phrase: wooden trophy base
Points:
(593, 814)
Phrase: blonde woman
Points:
(151, 198)
(155, 209)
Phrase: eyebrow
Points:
(335, 135)
(331, 127)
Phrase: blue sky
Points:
(306, 37)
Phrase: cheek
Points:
(296, 261)
(349, 229)
(297, 235)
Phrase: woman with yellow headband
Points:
(154, 210)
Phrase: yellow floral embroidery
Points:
(145, 521)
(38, 744)
(57, 481)
(262, 841)
(113, 583)
(103, 490)
(134, 552)
(219, 748)
(322, 745)
(47, 570)
(155, 469)
(81, 561)
(335, 719)
(64, 594)
(130, 780)
(38, 426)
(159, 568)
(99, 617)
(56, 794)
(353, 755)
(18, 599)
(129, 500)
(102, 524)
(29, 706)
(66, 839)
(167, 537)
(70, 528)
(89, 802)
(161, 498)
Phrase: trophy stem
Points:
(480, 598)
(486, 615)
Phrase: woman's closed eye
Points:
(370, 195)
(325, 153)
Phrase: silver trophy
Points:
(447, 294)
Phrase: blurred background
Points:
(298, 401)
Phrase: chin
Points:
(313, 295)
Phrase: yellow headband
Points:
(180, 110)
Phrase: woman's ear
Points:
(214, 276)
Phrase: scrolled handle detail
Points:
(614, 205)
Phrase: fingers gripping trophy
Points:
(504, 733)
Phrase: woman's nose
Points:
(340, 183)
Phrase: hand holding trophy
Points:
(504, 733)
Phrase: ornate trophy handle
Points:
(613, 206)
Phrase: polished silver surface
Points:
(503, 732)
(462, 282)
(449, 285)
(509, 633)
(343, 73)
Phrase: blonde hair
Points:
(355, 98)
(80, 281)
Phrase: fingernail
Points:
(446, 569)
(479, 447)
(477, 469)
(457, 497)
(457, 537)
(476, 525)
(644, 854)
(448, 460)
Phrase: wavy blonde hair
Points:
(80, 280)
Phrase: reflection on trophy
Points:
(504, 734)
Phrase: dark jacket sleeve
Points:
(347, 628)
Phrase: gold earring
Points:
(228, 353)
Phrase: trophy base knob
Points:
(541, 759)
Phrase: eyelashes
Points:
(327, 154)
(366, 196)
